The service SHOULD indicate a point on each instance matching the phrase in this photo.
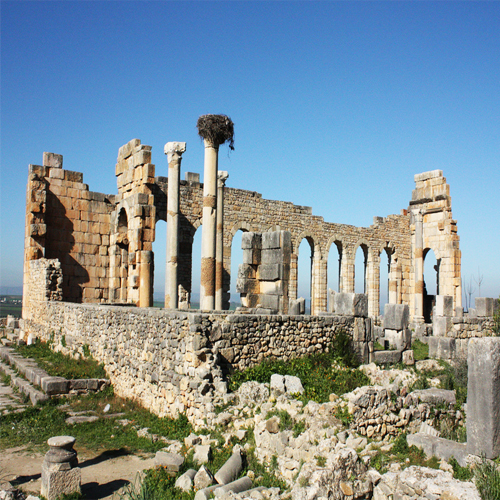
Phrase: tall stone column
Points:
(174, 151)
(418, 262)
(219, 251)
(209, 233)
(215, 130)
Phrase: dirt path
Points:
(102, 473)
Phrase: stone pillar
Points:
(318, 290)
(209, 233)
(146, 273)
(219, 252)
(174, 151)
(418, 259)
(373, 285)
(60, 472)
(483, 397)
(393, 283)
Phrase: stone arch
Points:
(429, 291)
(243, 225)
(338, 242)
(311, 238)
(228, 278)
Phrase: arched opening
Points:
(236, 260)
(304, 271)
(160, 262)
(385, 270)
(334, 267)
(431, 282)
(360, 269)
(122, 244)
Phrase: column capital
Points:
(222, 176)
(174, 150)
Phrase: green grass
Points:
(420, 350)
(403, 453)
(38, 423)
(321, 374)
(57, 364)
(487, 479)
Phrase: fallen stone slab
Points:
(202, 453)
(230, 470)
(171, 461)
(81, 420)
(206, 493)
(387, 357)
(439, 447)
(185, 482)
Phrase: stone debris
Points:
(171, 461)
(203, 478)
(423, 483)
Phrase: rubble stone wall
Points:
(174, 362)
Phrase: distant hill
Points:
(11, 290)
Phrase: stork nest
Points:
(217, 129)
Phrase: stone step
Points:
(23, 385)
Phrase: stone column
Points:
(483, 397)
(318, 278)
(60, 472)
(219, 251)
(146, 274)
(174, 151)
(418, 263)
(208, 236)
(373, 285)
(393, 283)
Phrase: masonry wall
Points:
(175, 362)
(66, 221)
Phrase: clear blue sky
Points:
(336, 105)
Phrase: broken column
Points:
(60, 472)
(215, 130)
(219, 251)
(483, 397)
(174, 151)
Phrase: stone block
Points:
(247, 286)
(395, 339)
(271, 287)
(485, 306)
(435, 396)
(441, 325)
(408, 357)
(459, 312)
(444, 305)
(297, 307)
(192, 177)
(251, 240)
(247, 271)
(272, 256)
(439, 447)
(203, 478)
(483, 397)
(396, 316)
(270, 272)
(270, 302)
(202, 453)
(441, 348)
(271, 239)
(386, 357)
(251, 256)
(52, 160)
(171, 461)
(55, 385)
(351, 304)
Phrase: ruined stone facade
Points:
(104, 242)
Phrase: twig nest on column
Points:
(217, 129)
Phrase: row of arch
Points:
(337, 268)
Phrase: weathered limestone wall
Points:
(66, 221)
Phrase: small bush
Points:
(496, 320)
(459, 472)
(487, 478)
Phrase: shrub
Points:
(459, 472)
(487, 478)
(496, 319)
